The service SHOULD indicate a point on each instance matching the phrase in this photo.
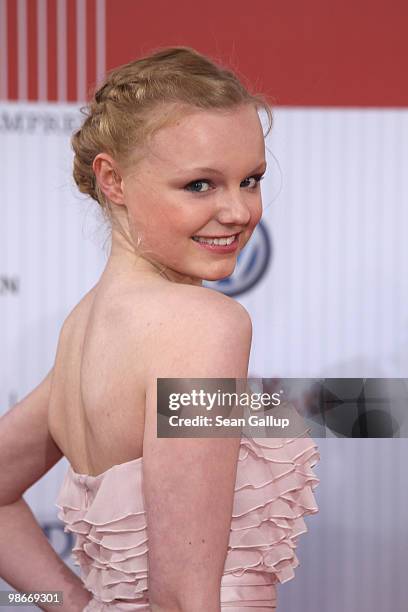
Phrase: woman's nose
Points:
(233, 209)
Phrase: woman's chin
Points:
(216, 276)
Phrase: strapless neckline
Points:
(115, 466)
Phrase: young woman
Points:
(173, 151)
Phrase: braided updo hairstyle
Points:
(140, 97)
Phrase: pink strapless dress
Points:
(273, 492)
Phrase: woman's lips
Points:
(219, 248)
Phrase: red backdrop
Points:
(301, 53)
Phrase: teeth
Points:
(219, 241)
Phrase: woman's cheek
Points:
(258, 213)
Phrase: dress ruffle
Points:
(111, 534)
(273, 492)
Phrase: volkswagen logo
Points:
(252, 264)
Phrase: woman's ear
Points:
(108, 178)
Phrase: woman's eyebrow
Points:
(260, 168)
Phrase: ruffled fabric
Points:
(273, 492)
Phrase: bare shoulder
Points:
(214, 299)
(79, 311)
(189, 305)
(196, 332)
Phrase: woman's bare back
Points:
(97, 403)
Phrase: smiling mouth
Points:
(221, 241)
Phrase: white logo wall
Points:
(51, 252)
(46, 262)
(333, 302)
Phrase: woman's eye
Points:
(257, 178)
(199, 182)
(190, 187)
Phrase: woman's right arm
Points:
(189, 482)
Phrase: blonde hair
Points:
(133, 103)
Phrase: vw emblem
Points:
(252, 264)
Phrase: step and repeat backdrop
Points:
(325, 275)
